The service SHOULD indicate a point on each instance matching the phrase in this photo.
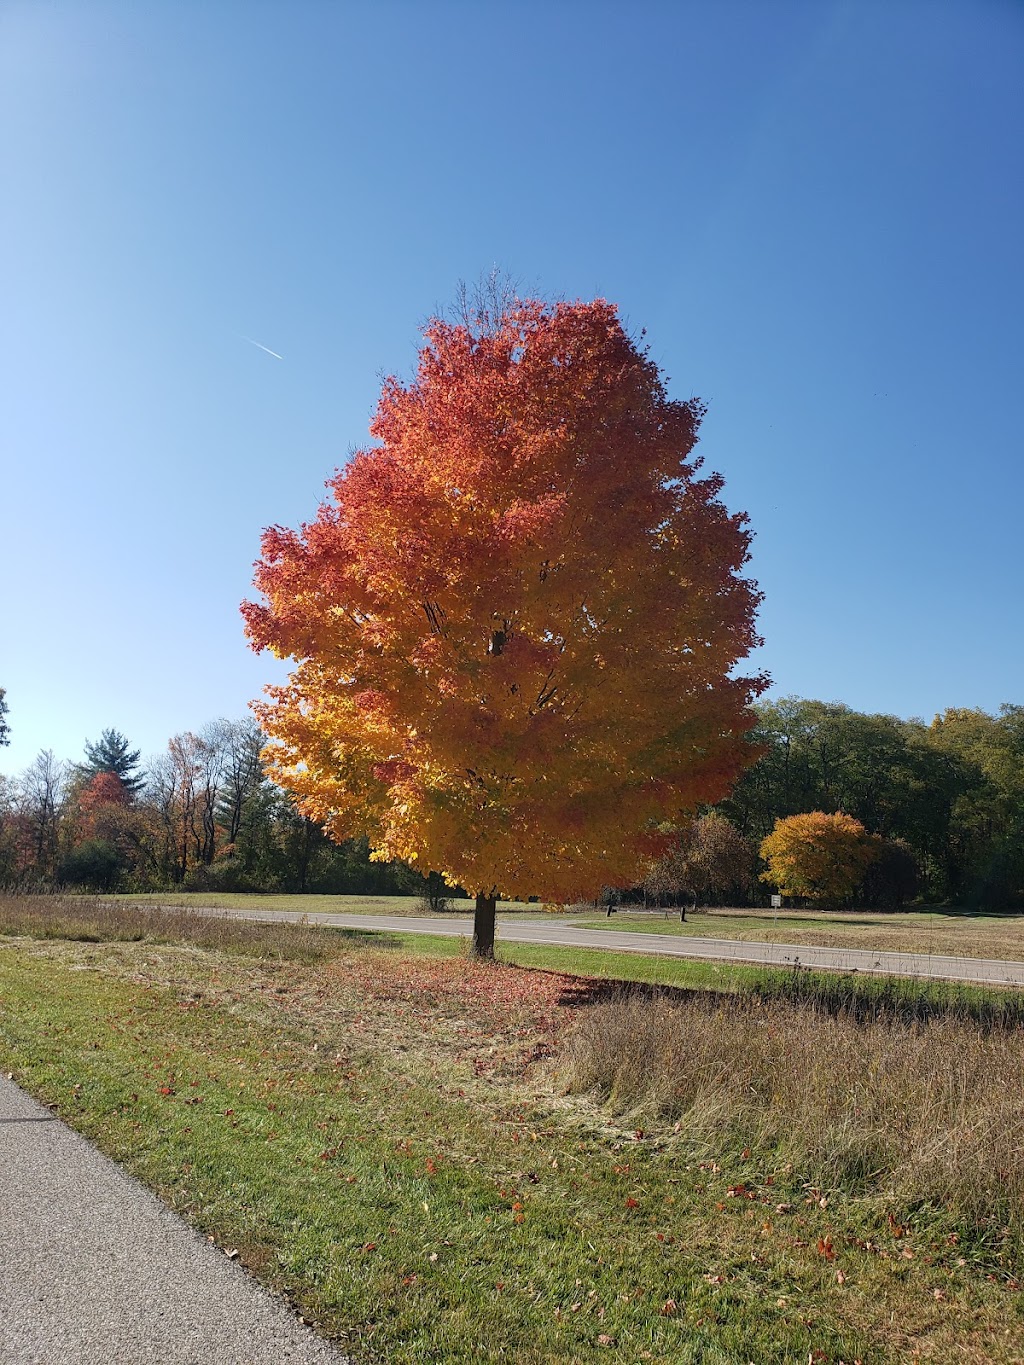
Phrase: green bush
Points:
(94, 864)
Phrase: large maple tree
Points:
(516, 621)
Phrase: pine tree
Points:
(112, 754)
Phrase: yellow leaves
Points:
(518, 619)
(820, 856)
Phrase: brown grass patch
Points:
(88, 920)
(925, 1112)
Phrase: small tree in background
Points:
(668, 879)
(42, 799)
(105, 789)
(94, 863)
(709, 862)
(818, 856)
(5, 729)
(722, 861)
(437, 894)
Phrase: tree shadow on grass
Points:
(862, 998)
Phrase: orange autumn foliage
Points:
(102, 802)
(823, 857)
(516, 621)
(105, 789)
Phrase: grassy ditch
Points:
(446, 1160)
(927, 1114)
(88, 919)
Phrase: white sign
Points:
(776, 902)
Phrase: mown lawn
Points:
(959, 933)
(311, 904)
(392, 1137)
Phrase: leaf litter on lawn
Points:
(386, 1135)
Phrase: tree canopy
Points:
(951, 792)
(517, 620)
(709, 860)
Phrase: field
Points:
(961, 933)
(317, 904)
(438, 1159)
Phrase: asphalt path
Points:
(985, 971)
(94, 1270)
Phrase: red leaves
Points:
(510, 610)
(741, 1192)
(499, 997)
(105, 789)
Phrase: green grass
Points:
(319, 1173)
(953, 931)
(959, 933)
(597, 962)
(382, 1129)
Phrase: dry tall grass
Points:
(96, 920)
(927, 1111)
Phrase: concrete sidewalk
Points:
(94, 1270)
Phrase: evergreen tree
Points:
(112, 754)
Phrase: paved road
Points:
(989, 971)
(94, 1270)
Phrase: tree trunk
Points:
(483, 925)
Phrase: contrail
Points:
(262, 347)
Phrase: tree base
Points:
(483, 926)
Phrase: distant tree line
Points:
(200, 816)
(943, 802)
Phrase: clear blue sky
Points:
(814, 208)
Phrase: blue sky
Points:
(816, 210)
